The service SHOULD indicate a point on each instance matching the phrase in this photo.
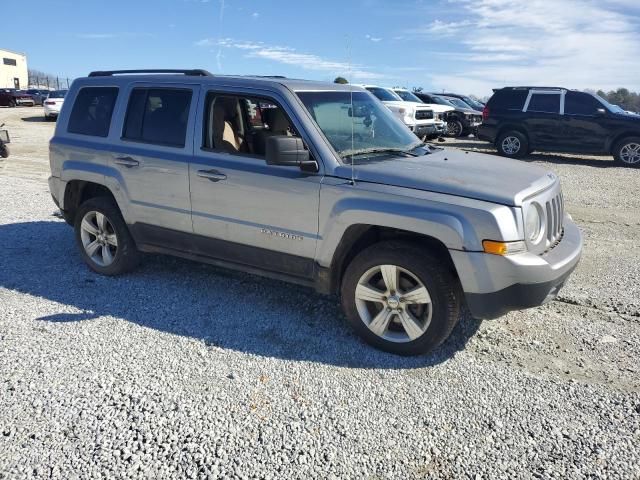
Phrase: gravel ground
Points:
(181, 370)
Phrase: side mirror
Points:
(600, 112)
(289, 151)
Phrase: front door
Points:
(244, 210)
(543, 119)
(586, 127)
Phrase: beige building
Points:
(13, 70)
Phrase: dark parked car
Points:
(10, 97)
(460, 122)
(38, 95)
(519, 120)
(475, 104)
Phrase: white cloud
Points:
(255, 15)
(290, 56)
(373, 39)
(572, 43)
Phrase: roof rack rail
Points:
(189, 73)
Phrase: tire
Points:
(111, 235)
(455, 128)
(626, 153)
(513, 144)
(12, 103)
(433, 320)
(4, 150)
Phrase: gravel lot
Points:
(188, 371)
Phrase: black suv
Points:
(518, 120)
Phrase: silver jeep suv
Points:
(313, 183)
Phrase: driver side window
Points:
(241, 125)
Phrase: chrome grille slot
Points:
(555, 214)
(423, 114)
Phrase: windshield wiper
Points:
(366, 151)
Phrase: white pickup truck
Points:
(421, 119)
(440, 111)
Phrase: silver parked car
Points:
(313, 183)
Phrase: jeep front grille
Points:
(424, 114)
(555, 216)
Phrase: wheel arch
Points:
(79, 191)
(512, 126)
(615, 140)
(358, 237)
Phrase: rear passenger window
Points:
(92, 110)
(158, 116)
(545, 103)
(508, 99)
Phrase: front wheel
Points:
(455, 128)
(627, 152)
(513, 144)
(400, 299)
(105, 243)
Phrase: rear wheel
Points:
(513, 144)
(400, 299)
(627, 152)
(105, 243)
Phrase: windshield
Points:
(58, 94)
(473, 103)
(366, 128)
(442, 101)
(408, 96)
(611, 107)
(384, 94)
(457, 102)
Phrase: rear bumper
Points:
(56, 187)
(494, 285)
(487, 133)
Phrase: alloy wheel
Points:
(630, 153)
(454, 129)
(393, 303)
(99, 238)
(511, 145)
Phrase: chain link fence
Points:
(44, 81)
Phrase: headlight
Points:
(533, 223)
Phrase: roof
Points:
(204, 77)
(12, 52)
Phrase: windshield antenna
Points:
(353, 178)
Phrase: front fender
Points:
(458, 223)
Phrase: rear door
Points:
(586, 128)
(151, 156)
(543, 121)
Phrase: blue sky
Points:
(466, 45)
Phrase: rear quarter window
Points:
(508, 99)
(92, 111)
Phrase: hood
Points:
(408, 105)
(436, 107)
(455, 172)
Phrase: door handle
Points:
(213, 175)
(127, 162)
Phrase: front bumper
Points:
(494, 285)
(422, 130)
